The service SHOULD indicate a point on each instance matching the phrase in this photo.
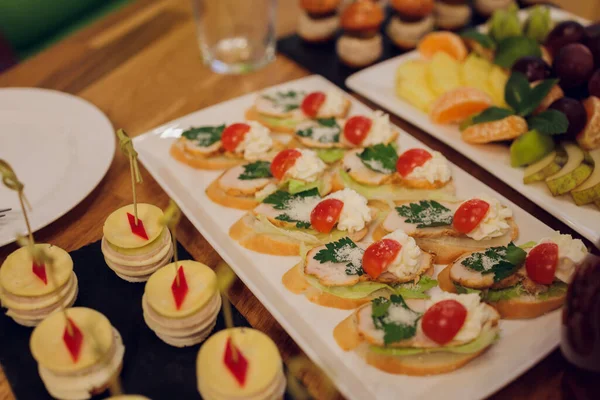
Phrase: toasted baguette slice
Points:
(523, 307)
(253, 115)
(349, 338)
(213, 161)
(219, 196)
(295, 281)
(244, 231)
(447, 247)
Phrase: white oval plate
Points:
(60, 147)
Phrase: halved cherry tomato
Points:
(312, 102)
(233, 135)
(442, 321)
(357, 128)
(469, 215)
(541, 263)
(326, 214)
(379, 255)
(284, 161)
(411, 159)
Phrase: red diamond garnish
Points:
(138, 229)
(239, 367)
(39, 270)
(179, 291)
(73, 340)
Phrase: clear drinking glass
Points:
(236, 36)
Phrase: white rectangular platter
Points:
(377, 84)
(522, 344)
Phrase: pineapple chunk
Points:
(497, 83)
(443, 73)
(411, 84)
(475, 72)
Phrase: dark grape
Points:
(593, 30)
(594, 84)
(593, 44)
(564, 33)
(573, 65)
(534, 68)
(575, 113)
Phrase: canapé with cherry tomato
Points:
(420, 337)
(381, 172)
(450, 229)
(224, 146)
(346, 274)
(520, 282)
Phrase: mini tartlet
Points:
(28, 298)
(134, 257)
(99, 360)
(263, 377)
(191, 321)
(452, 14)
(361, 44)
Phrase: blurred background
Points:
(29, 26)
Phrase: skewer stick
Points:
(225, 278)
(9, 178)
(172, 215)
(126, 146)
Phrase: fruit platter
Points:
(519, 96)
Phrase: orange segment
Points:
(448, 42)
(459, 104)
(554, 94)
(503, 129)
(589, 137)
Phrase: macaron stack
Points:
(132, 251)
(361, 44)
(256, 374)
(318, 20)
(74, 374)
(412, 20)
(182, 317)
(29, 292)
(452, 14)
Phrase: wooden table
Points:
(141, 66)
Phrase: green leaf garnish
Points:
(516, 90)
(328, 131)
(380, 158)
(549, 122)
(492, 114)
(416, 290)
(256, 170)
(481, 38)
(204, 136)
(512, 48)
(426, 213)
(500, 261)
(536, 95)
(522, 97)
(337, 252)
(394, 330)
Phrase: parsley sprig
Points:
(256, 170)
(501, 261)
(380, 158)
(204, 136)
(426, 214)
(334, 253)
(394, 331)
(332, 135)
(281, 201)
